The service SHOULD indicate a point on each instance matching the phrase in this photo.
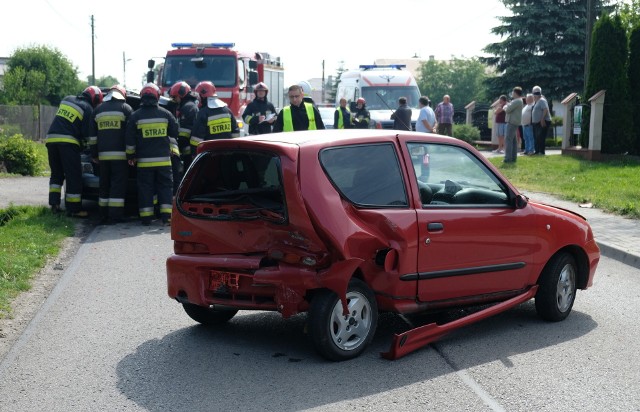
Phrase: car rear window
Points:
(367, 175)
(234, 185)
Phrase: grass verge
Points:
(613, 185)
(29, 235)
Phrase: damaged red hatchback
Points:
(344, 224)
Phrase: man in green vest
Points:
(342, 116)
(299, 115)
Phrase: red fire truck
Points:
(234, 73)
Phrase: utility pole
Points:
(323, 86)
(587, 47)
(93, 54)
(124, 70)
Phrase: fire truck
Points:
(234, 73)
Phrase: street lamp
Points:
(124, 70)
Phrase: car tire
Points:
(557, 288)
(338, 338)
(208, 316)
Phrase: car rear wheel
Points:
(557, 288)
(208, 316)
(338, 337)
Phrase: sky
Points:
(347, 33)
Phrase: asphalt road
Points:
(109, 338)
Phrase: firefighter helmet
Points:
(180, 89)
(116, 88)
(94, 94)
(361, 100)
(150, 89)
(260, 86)
(306, 88)
(206, 89)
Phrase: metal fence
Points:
(30, 121)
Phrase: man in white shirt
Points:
(427, 118)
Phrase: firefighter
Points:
(260, 113)
(186, 113)
(109, 123)
(299, 115)
(69, 131)
(361, 117)
(215, 120)
(150, 137)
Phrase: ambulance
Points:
(381, 86)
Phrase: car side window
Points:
(451, 176)
(367, 175)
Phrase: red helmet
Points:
(150, 89)
(94, 94)
(206, 89)
(361, 100)
(180, 89)
(260, 86)
(119, 89)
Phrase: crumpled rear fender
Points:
(337, 278)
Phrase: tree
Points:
(333, 90)
(629, 14)
(634, 81)
(39, 75)
(462, 79)
(104, 81)
(608, 71)
(543, 45)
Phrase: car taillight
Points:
(378, 125)
(189, 248)
(292, 258)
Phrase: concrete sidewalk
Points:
(617, 236)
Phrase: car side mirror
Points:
(521, 201)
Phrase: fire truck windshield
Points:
(221, 70)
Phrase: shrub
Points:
(21, 156)
(466, 132)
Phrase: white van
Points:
(381, 86)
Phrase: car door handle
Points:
(435, 227)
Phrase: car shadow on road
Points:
(259, 361)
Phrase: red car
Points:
(344, 224)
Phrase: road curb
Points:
(615, 253)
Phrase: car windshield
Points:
(221, 70)
(234, 185)
(386, 97)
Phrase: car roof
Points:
(310, 139)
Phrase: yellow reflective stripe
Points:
(153, 127)
(103, 202)
(195, 141)
(112, 156)
(146, 214)
(55, 189)
(116, 202)
(69, 111)
(109, 120)
(165, 210)
(61, 138)
(72, 198)
(184, 132)
(220, 123)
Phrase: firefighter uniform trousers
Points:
(154, 180)
(113, 188)
(65, 164)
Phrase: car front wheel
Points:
(338, 337)
(208, 316)
(557, 288)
